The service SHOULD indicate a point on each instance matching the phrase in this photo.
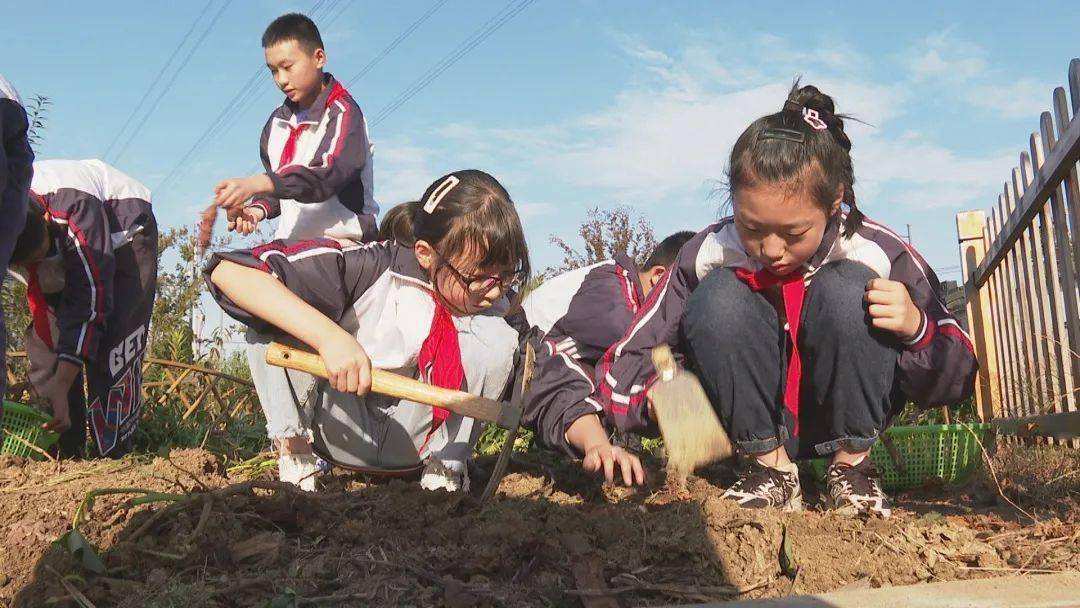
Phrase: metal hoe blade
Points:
(514, 407)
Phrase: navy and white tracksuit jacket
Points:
(320, 161)
(379, 293)
(98, 283)
(936, 367)
(575, 317)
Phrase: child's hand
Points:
(347, 364)
(58, 398)
(232, 193)
(606, 457)
(248, 220)
(56, 392)
(891, 308)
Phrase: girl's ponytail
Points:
(810, 100)
(397, 224)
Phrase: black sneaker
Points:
(760, 486)
(855, 489)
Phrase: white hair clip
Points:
(812, 118)
(440, 193)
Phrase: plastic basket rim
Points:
(923, 429)
(24, 409)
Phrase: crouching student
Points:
(809, 325)
(575, 317)
(88, 253)
(413, 309)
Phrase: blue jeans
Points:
(737, 346)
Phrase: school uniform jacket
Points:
(378, 292)
(575, 316)
(936, 367)
(95, 211)
(16, 157)
(320, 162)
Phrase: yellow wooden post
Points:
(972, 233)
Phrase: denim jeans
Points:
(736, 344)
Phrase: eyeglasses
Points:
(482, 284)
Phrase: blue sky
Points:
(573, 105)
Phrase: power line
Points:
(175, 75)
(475, 39)
(393, 45)
(336, 16)
(226, 118)
(161, 74)
(218, 121)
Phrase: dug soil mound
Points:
(551, 538)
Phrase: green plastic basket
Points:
(25, 423)
(932, 453)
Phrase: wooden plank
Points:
(998, 305)
(1058, 164)
(1032, 298)
(1015, 316)
(971, 233)
(1044, 591)
(1007, 317)
(1062, 426)
(1069, 332)
(1069, 243)
(1066, 121)
(1071, 187)
(1061, 281)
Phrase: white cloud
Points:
(664, 139)
(1026, 98)
(960, 69)
(669, 139)
(402, 172)
(944, 56)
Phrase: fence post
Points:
(971, 232)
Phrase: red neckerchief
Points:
(439, 361)
(289, 151)
(793, 290)
(39, 309)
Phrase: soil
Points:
(552, 537)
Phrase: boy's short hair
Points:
(293, 26)
(34, 232)
(668, 249)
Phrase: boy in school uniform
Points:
(574, 318)
(88, 254)
(317, 182)
(314, 148)
(16, 167)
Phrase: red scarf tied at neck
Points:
(793, 291)
(439, 361)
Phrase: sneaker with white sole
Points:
(438, 476)
(761, 486)
(854, 489)
(299, 470)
